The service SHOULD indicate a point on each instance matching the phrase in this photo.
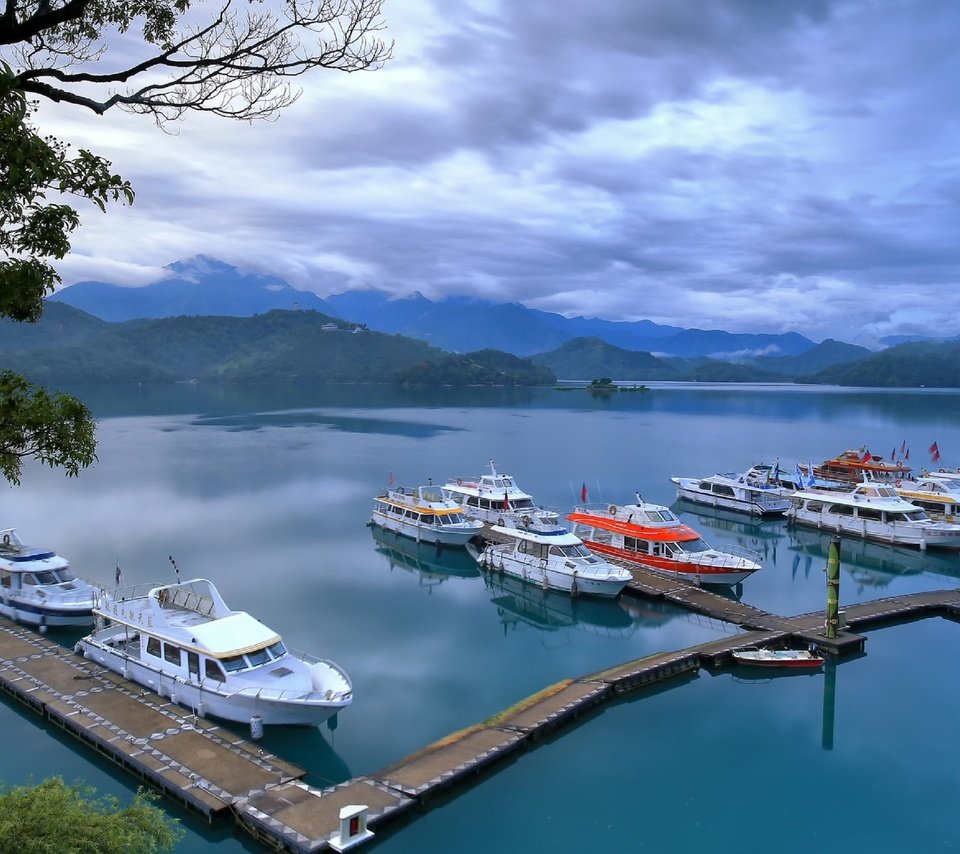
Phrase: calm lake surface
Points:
(267, 493)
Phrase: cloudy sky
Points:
(748, 165)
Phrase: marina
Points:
(414, 631)
(194, 762)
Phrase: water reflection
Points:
(521, 604)
(431, 564)
(750, 532)
(314, 418)
(871, 564)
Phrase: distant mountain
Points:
(204, 286)
(60, 325)
(197, 286)
(824, 355)
(934, 364)
(276, 347)
(590, 358)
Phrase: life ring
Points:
(6, 539)
(943, 471)
(399, 490)
(500, 521)
(459, 481)
(896, 483)
(526, 521)
(612, 509)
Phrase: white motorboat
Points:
(938, 494)
(791, 659)
(496, 499)
(554, 559)
(38, 588)
(652, 536)
(424, 514)
(183, 642)
(752, 491)
(872, 511)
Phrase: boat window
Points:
(234, 663)
(45, 577)
(173, 654)
(153, 647)
(65, 574)
(723, 489)
(258, 657)
(4, 578)
(869, 513)
(841, 509)
(916, 516)
(705, 485)
(277, 650)
(211, 670)
(523, 504)
(427, 518)
(815, 506)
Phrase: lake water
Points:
(267, 493)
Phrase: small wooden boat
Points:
(788, 658)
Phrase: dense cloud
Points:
(739, 164)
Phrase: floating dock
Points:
(213, 772)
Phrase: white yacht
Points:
(183, 642)
(872, 511)
(553, 559)
(496, 499)
(752, 491)
(937, 493)
(424, 514)
(38, 588)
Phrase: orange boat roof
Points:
(666, 534)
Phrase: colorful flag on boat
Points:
(935, 453)
(390, 480)
(865, 457)
(903, 449)
(906, 454)
(583, 494)
(506, 501)
(893, 454)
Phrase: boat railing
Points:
(734, 555)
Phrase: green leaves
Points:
(56, 429)
(56, 817)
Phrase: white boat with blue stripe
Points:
(38, 588)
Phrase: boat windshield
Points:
(663, 515)
(49, 576)
(255, 658)
(576, 550)
(951, 483)
(692, 546)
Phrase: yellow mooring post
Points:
(833, 588)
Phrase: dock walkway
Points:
(213, 772)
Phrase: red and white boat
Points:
(855, 466)
(797, 659)
(652, 536)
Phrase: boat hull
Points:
(239, 707)
(447, 535)
(718, 575)
(551, 579)
(782, 659)
(30, 613)
(913, 536)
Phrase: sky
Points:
(746, 165)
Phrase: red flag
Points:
(935, 453)
(866, 457)
(583, 494)
(391, 481)
(506, 501)
(893, 454)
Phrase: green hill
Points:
(585, 358)
(826, 354)
(935, 364)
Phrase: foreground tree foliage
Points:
(234, 58)
(70, 820)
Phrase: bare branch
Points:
(235, 65)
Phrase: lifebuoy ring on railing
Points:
(6, 539)
(612, 509)
(459, 481)
(399, 490)
(897, 483)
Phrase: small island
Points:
(605, 385)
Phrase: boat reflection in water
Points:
(432, 564)
(869, 563)
(519, 603)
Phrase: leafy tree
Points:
(56, 429)
(56, 817)
(237, 60)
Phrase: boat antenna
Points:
(176, 569)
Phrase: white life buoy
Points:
(612, 509)
(6, 539)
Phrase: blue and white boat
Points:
(424, 514)
(38, 588)
(753, 491)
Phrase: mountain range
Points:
(203, 286)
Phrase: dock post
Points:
(833, 589)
